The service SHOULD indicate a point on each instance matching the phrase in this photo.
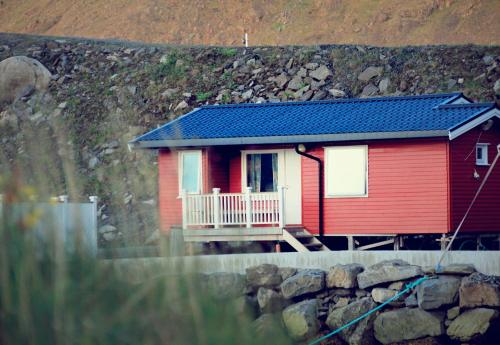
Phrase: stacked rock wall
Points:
(455, 305)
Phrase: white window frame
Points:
(200, 173)
(484, 160)
(281, 164)
(326, 173)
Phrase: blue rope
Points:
(408, 287)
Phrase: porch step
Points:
(314, 246)
(302, 240)
(301, 235)
(294, 229)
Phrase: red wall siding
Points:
(485, 214)
(235, 174)
(407, 191)
(217, 171)
(170, 208)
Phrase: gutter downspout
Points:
(320, 184)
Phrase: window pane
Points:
(479, 151)
(346, 171)
(262, 172)
(190, 171)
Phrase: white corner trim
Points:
(474, 123)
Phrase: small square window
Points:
(482, 154)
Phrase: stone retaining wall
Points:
(456, 305)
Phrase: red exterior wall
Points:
(215, 173)
(235, 174)
(409, 186)
(485, 214)
(407, 191)
(218, 170)
(169, 206)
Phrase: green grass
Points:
(228, 52)
(49, 296)
(203, 96)
(168, 68)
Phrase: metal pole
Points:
(93, 239)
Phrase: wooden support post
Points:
(397, 243)
(350, 243)
(443, 242)
(281, 198)
(216, 192)
(248, 207)
(184, 209)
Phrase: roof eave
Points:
(292, 139)
(474, 121)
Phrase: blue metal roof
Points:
(217, 124)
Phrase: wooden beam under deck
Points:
(234, 234)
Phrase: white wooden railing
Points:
(233, 209)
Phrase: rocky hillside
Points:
(278, 22)
(70, 135)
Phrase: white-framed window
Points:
(482, 154)
(190, 171)
(346, 171)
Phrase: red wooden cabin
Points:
(283, 171)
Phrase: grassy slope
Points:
(385, 22)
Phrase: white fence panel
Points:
(74, 224)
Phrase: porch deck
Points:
(221, 217)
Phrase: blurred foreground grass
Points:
(50, 296)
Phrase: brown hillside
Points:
(278, 22)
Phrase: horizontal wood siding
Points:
(235, 174)
(218, 170)
(485, 214)
(407, 191)
(170, 208)
(169, 203)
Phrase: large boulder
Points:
(387, 271)
(303, 283)
(471, 324)
(246, 305)
(270, 301)
(434, 293)
(360, 333)
(370, 72)
(19, 76)
(265, 275)
(458, 269)
(380, 295)
(269, 326)
(301, 319)
(320, 73)
(344, 276)
(407, 324)
(479, 290)
(287, 272)
(224, 285)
